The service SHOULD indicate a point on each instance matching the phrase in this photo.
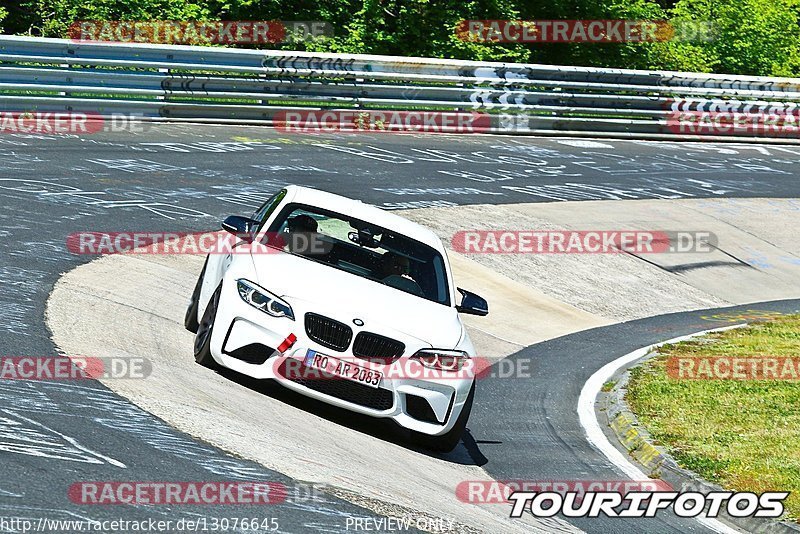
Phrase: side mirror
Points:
(472, 304)
(241, 227)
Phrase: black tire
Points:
(190, 319)
(447, 442)
(202, 341)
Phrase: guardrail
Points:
(165, 82)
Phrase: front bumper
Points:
(245, 340)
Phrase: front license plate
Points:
(343, 369)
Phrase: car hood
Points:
(345, 296)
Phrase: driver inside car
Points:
(395, 272)
(302, 236)
(395, 265)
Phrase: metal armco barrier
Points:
(165, 82)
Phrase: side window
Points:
(263, 213)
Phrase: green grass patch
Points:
(741, 434)
(608, 386)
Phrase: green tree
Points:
(393, 27)
(55, 16)
(760, 37)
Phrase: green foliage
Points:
(741, 434)
(760, 37)
(55, 16)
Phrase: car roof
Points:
(365, 212)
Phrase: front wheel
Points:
(202, 341)
(447, 442)
(190, 319)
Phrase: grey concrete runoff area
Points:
(567, 314)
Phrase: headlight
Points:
(443, 360)
(262, 299)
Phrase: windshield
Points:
(362, 249)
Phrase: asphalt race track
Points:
(188, 177)
(537, 436)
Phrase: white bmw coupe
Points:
(345, 303)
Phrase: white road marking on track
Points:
(583, 143)
(594, 432)
(68, 439)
